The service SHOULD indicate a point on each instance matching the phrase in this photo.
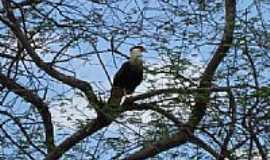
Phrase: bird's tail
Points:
(116, 96)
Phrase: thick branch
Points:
(36, 101)
(69, 80)
(88, 130)
(162, 145)
(203, 145)
(202, 99)
(207, 77)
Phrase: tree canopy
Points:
(205, 92)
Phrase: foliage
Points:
(205, 93)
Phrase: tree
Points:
(205, 94)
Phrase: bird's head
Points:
(137, 49)
(136, 52)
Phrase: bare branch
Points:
(86, 131)
(224, 151)
(174, 90)
(17, 122)
(162, 145)
(85, 87)
(197, 141)
(35, 100)
(207, 77)
(202, 99)
(15, 143)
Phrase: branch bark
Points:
(68, 143)
(202, 99)
(22, 129)
(84, 86)
(36, 101)
(162, 145)
(11, 21)
(179, 138)
(197, 141)
(224, 151)
(207, 77)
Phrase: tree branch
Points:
(174, 90)
(197, 141)
(207, 77)
(162, 145)
(224, 151)
(202, 99)
(15, 143)
(36, 101)
(68, 143)
(84, 86)
(22, 129)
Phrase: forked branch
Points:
(202, 99)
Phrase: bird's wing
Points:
(121, 72)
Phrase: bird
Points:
(128, 77)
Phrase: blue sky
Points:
(92, 71)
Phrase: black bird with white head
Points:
(129, 76)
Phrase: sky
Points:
(152, 58)
(67, 115)
(93, 72)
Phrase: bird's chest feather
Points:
(136, 68)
